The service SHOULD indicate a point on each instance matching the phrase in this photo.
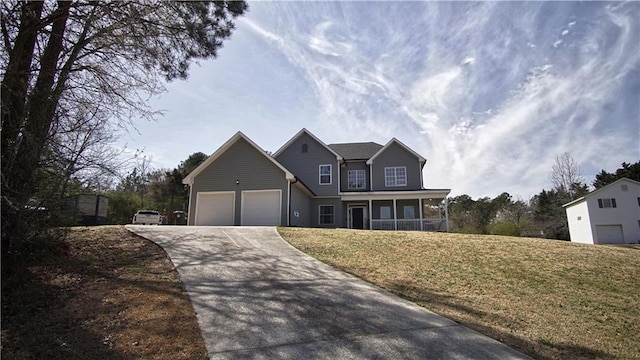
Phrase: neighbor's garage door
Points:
(609, 234)
(261, 208)
(215, 208)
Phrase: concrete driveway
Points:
(257, 297)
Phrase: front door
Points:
(357, 218)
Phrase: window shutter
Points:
(613, 202)
(600, 203)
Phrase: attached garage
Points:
(215, 208)
(261, 208)
(610, 234)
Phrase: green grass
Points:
(549, 299)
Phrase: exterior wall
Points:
(400, 204)
(340, 217)
(344, 176)
(252, 170)
(626, 212)
(306, 165)
(396, 155)
(300, 206)
(579, 224)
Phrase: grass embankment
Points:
(549, 299)
(102, 294)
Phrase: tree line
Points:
(540, 216)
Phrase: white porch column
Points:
(370, 214)
(421, 220)
(395, 217)
(446, 212)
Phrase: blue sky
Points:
(488, 92)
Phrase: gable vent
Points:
(625, 187)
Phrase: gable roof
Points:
(579, 200)
(396, 141)
(356, 151)
(300, 133)
(188, 180)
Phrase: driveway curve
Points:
(257, 297)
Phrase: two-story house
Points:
(309, 183)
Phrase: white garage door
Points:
(609, 234)
(261, 208)
(215, 208)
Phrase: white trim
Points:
(189, 206)
(350, 207)
(189, 179)
(320, 174)
(598, 190)
(289, 203)
(400, 195)
(364, 176)
(297, 135)
(242, 207)
(233, 203)
(387, 145)
(320, 214)
(395, 176)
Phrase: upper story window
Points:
(356, 179)
(305, 148)
(395, 176)
(607, 203)
(325, 174)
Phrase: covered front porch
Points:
(423, 210)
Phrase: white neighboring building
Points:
(609, 215)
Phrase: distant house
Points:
(609, 215)
(309, 183)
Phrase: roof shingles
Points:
(356, 151)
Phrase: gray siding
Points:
(344, 175)
(396, 155)
(305, 166)
(300, 204)
(400, 204)
(340, 218)
(253, 171)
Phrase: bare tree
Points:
(565, 174)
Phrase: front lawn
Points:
(549, 299)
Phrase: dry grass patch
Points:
(549, 299)
(104, 294)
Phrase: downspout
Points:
(289, 201)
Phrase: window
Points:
(305, 148)
(325, 174)
(326, 215)
(639, 201)
(607, 203)
(395, 176)
(356, 179)
(409, 212)
(385, 212)
(579, 218)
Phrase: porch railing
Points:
(409, 224)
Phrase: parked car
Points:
(147, 217)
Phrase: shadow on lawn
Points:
(542, 349)
(73, 304)
(37, 323)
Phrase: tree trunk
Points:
(16, 82)
(41, 107)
